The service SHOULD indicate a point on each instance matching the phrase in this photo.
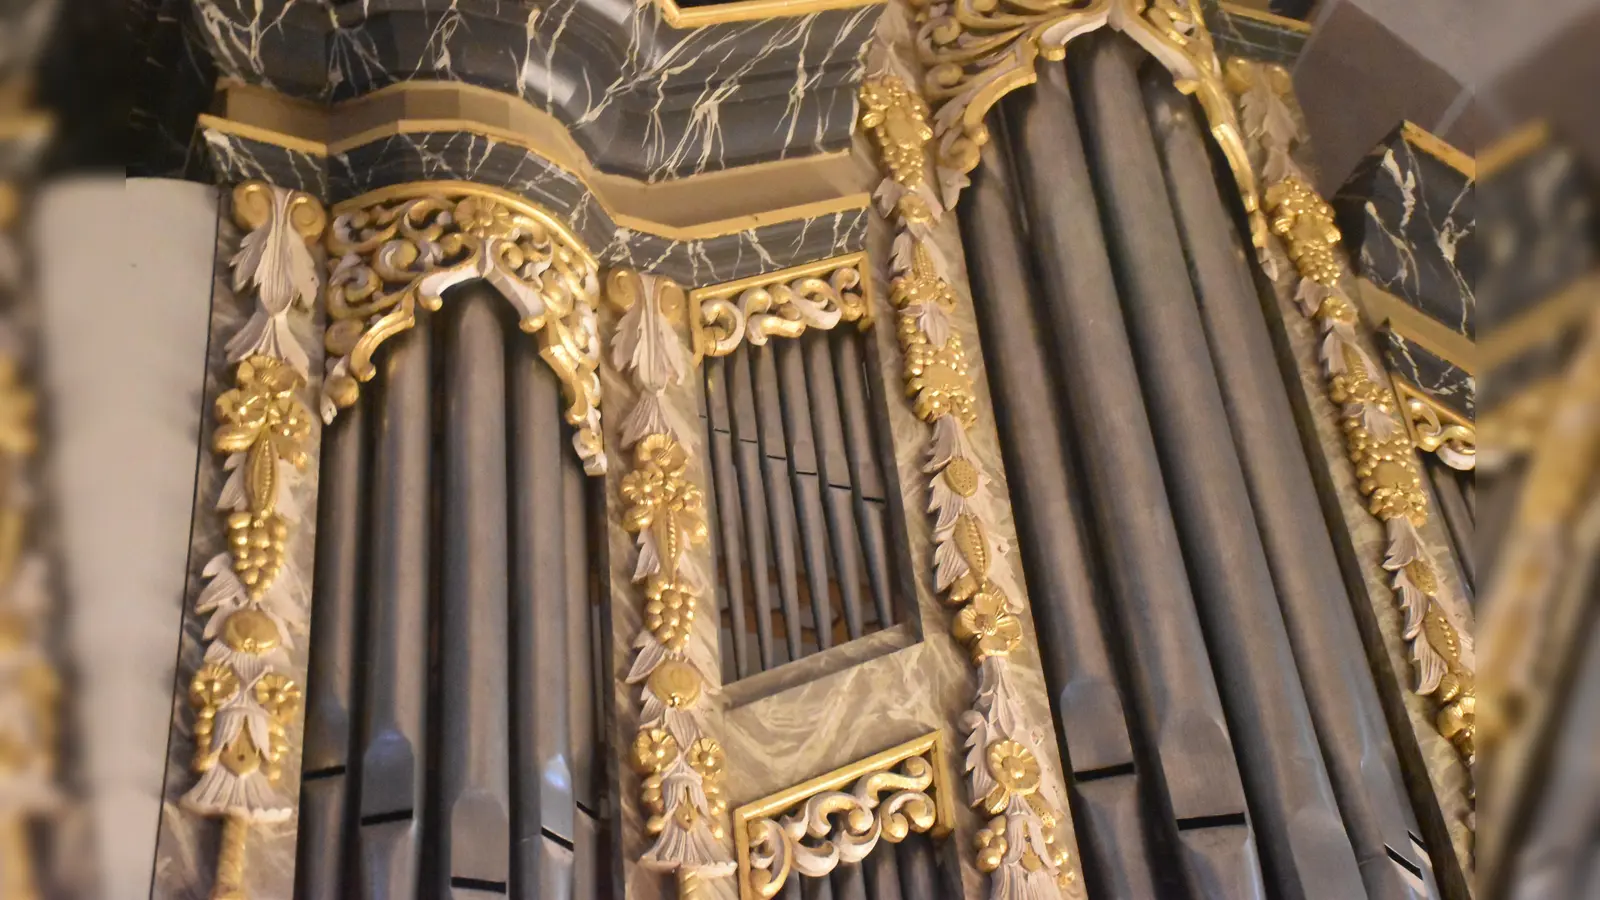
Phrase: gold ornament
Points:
(676, 683)
(987, 628)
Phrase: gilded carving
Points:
(841, 817)
(682, 769)
(244, 701)
(397, 248)
(785, 303)
(1377, 432)
(976, 51)
(1438, 430)
(971, 570)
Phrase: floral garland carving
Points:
(1376, 437)
(1018, 847)
(841, 817)
(243, 698)
(976, 51)
(403, 246)
(29, 682)
(682, 767)
(786, 303)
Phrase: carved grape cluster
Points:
(1305, 221)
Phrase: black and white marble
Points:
(641, 97)
(173, 78)
(453, 156)
(1442, 380)
(1409, 223)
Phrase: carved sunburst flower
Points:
(986, 627)
(1016, 773)
(483, 218)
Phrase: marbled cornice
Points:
(688, 100)
(1253, 34)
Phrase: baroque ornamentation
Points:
(30, 687)
(841, 817)
(1008, 775)
(681, 766)
(1377, 438)
(244, 699)
(785, 303)
(976, 51)
(1437, 429)
(399, 247)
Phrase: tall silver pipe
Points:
(326, 778)
(805, 484)
(541, 603)
(394, 748)
(866, 469)
(584, 711)
(833, 467)
(1304, 848)
(753, 500)
(1091, 726)
(1344, 704)
(474, 831)
(781, 508)
(1181, 735)
(729, 516)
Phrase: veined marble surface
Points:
(687, 100)
(1409, 221)
(1439, 378)
(453, 156)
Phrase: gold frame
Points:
(930, 745)
(750, 10)
(1439, 148)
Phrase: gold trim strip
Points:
(1261, 15)
(1540, 324)
(751, 10)
(1438, 148)
(1417, 326)
(1513, 147)
(844, 203)
(929, 746)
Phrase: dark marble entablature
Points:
(641, 97)
(1241, 31)
(1445, 382)
(1408, 219)
(454, 156)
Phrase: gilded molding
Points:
(785, 303)
(1437, 429)
(749, 10)
(244, 696)
(681, 766)
(29, 681)
(811, 841)
(976, 51)
(1007, 771)
(1376, 431)
(401, 246)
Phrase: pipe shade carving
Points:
(399, 247)
(785, 303)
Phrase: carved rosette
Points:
(394, 249)
(972, 568)
(786, 303)
(976, 51)
(1376, 436)
(244, 695)
(681, 766)
(841, 817)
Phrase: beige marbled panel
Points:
(1450, 777)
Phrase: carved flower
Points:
(669, 612)
(214, 685)
(278, 695)
(986, 627)
(482, 217)
(1016, 774)
(658, 483)
(264, 404)
(653, 750)
(707, 758)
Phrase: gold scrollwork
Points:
(1437, 429)
(402, 246)
(1376, 430)
(840, 817)
(786, 303)
(976, 51)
